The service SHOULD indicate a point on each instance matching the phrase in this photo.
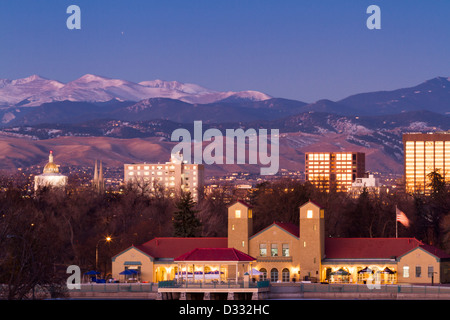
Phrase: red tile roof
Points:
(215, 254)
(242, 202)
(368, 248)
(313, 202)
(441, 254)
(288, 227)
(173, 247)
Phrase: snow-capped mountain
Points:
(13, 92)
(35, 90)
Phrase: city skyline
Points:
(103, 103)
(296, 50)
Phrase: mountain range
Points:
(35, 100)
(36, 90)
(97, 114)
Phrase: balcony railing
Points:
(214, 284)
(274, 258)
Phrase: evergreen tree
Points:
(437, 184)
(185, 222)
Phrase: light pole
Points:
(107, 239)
(432, 277)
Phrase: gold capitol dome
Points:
(51, 167)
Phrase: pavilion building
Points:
(285, 252)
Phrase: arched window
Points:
(264, 274)
(274, 275)
(285, 275)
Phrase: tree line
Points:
(42, 234)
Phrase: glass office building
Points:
(334, 170)
(425, 153)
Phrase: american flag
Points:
(401, 217)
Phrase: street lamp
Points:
(432, 277)
(107, 239)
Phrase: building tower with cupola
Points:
(51, 176)
(240, 226)
(312, 240)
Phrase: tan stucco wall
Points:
(276, 235)
(239, 229)
(422, 258)
(312, 240)
(132, 254)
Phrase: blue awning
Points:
(132, 263)
(129, 271)
(92, 272)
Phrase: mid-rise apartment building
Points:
(173, 176)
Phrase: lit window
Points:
(262, 250)
(309, 214)
(285, 275)
(285, 250)
(274, 250)
(237, 213)
(406, 272)
(430, 271)
(274, 275)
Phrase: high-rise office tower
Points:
(425, 153)
(334, 170)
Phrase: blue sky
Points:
(304, 50)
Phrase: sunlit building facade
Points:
(334, 170)
(174, 176)
(425, 153)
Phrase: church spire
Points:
(101, 182)
(98, 181)
(95, 174)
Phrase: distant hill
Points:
(432, 95)
(378, 136)
(152, 109)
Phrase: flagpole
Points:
(396, 222)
